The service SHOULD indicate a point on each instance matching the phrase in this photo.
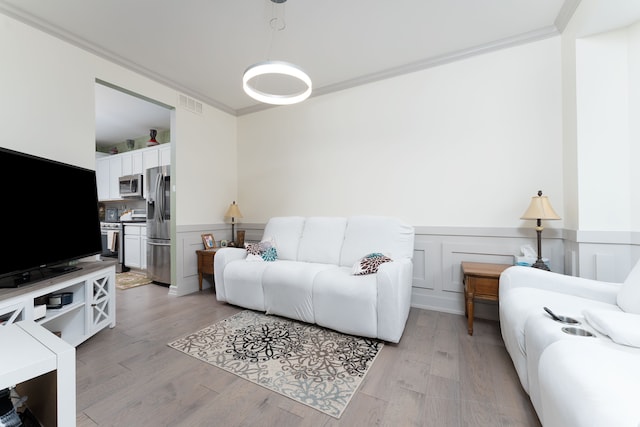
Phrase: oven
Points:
(111, 235)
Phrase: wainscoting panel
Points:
(453, 254)
(425, 264)
(188, 241)
(438, 252)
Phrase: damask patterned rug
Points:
(315, 366)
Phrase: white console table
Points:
(42, 367)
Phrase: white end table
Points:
(35, 360)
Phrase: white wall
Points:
(634, 123)
(462, 144)
(47, 96)
(206, 169)
(47, 109)
(603, 132)
(600, 106)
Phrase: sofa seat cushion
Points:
(345, 302)
(243, 283)
(288, 289)
(583, 383)
(519, 303)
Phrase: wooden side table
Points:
(205, 263)
(481, 281)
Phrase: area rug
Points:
(130, 280)
(315, 366)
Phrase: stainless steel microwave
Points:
(131, 186)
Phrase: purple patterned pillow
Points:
(252, 248)
(369, 263)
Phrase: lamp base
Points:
(541, 265)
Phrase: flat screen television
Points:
(49, 215)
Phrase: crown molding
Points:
(563, 18)
(566, 13)
(424, 64)
(85, 45)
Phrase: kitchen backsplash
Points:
(123, 205)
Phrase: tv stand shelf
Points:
(93, 307)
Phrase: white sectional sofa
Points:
(574, 380)
(312, 278)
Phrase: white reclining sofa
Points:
(312, 278)
(574, 380)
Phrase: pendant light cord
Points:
(277, 24)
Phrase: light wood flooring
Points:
(436, 376)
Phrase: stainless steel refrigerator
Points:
(158, 195)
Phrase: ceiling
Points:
(202, 47)
(121, 116)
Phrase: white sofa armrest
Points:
(519, 277)
(394, 281)
(223, 257)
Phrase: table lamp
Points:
(540, 209)
(233, 212)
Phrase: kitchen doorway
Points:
(133, 136)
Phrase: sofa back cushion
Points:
(286, 232)
(629, 295)
(322, 239)
(368, 234)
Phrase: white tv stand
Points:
(93, 307)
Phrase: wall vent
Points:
(190, 104)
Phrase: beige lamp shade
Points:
(233, 211)
(540, 208)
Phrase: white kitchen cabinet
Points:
(159, 155)
(164, 154)
(132, 163)
(93, 307)
(109, 169)
(115, 172)
(143, 248)
(150, 158)
(102, 177)
(127, 168)
(136, 162)
(108, 172)
(135, 246)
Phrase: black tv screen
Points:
(49, 215)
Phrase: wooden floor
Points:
(436, 376)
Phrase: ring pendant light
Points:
(280, 68)
(276, 67)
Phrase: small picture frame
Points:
(223, 243)
(208, 241)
